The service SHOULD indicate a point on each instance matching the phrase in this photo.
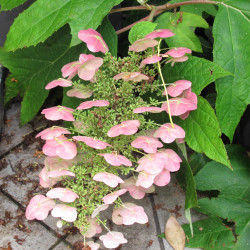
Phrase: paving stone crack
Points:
(157, 223)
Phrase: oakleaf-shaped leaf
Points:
(34, 67)
(232, 203)
(199, 71)
(203, 133)
(175, 234)
(180, 24)
(231, 33)
(45, 17)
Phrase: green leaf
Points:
(233, 201)
(197, 161)
(243, 239)
(199, 71)
(191, 196)
(203, 133)
(231, 50)
(183, 26)
(13, 88)
(109, 35)
(240, 5)
(34, 67)
(10, 4)
(197, 9)
(45, 17)
(140, 30)
(190, 187)
(209, 234)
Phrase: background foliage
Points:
(44, 38)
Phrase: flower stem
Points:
(103, 224)
(164, 85)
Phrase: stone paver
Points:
(12, 134)
(19, 233)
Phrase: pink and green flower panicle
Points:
(111, 136)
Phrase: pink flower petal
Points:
(192, 97)
(148, 109)
(70, 70)
(174, 60)
(135, 123)
(178, 52)
(176, 88)
(148, 144)
(132, 213)
(136, 192)
(55, 167)
(51, 133)
(59, 113)
(59, 82)
(90, 104)
(92, 142)
(168, 134)
(150, 60)
(129, 127)
(143, 44)
(117, 160)
(93, 228)
(62, 194)
(44, 180)
(162, 33)
(108, 178)
(145, 179)
(65, 212)
(94, 41)
(131, 76)
(163, 178)
(116, 216)
(113, 239)
(151, 163)
(60, 146)
(39, 207)
(89, 67)
(78, 93)
(110, 198)
(171, 158)
(179, 106)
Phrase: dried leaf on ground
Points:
(175, 234)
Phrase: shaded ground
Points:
(21, 160)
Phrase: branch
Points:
(166, 6)
(128, 9)
(156, 10)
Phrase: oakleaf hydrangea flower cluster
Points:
(111, 136)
